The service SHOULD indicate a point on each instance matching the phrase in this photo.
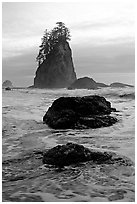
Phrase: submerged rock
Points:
(57, 71)
(71, 153)
(79, 112)
(64, 155)
(120, 85)
(83, 83)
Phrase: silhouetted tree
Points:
(63, 31)
(58, 34)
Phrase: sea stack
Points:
(83, 83)
(7, 84)
(56, 69)
(120, 85)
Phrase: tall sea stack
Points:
(57, 71)
(55, 64)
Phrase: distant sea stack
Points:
(7, 84)
(83, 83)
(55, 64)
(86, 83)
(120, 85)
(89, 83)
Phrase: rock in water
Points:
(64, 155)
(79, 113)
(8, 89)
(71, 153)
(7, 84)
(83, 83)
(120, 85)
(86, 83)
(57, 71)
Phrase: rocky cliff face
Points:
(57, 71)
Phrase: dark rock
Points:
(8, 89)
(114, 110)
(79, 112)
(57, 71)
(71, 153)
(120, 85)
(97, 121)
(64, 155)
(7, 84)
(83, 83)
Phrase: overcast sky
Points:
(102, 36)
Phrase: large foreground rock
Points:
(79, 112)
(57, 71)
(71, 153)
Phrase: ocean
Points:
(24, 137)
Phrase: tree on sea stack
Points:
(58, 34)
(55, 64)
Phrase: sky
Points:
(102, 36)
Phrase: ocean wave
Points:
(125, 93)
(122, 93)
(119, 95)
(128, 96)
